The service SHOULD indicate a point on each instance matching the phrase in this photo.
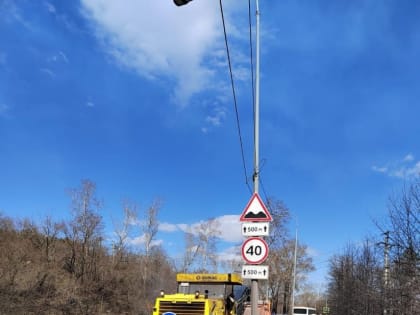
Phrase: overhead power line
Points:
(234, 96)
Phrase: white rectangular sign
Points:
(255, 272)
(255, 228)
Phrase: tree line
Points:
(71, 267)
(381, 275)
(67, 267)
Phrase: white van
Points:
(303, 310)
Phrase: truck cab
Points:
(203, 294)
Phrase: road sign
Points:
(255, 272)
(254, 250)
(255, 228)
(255, 211)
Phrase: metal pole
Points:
(294, 273)
(257, 103)
(386, 272)
(254, 282)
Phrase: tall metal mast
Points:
(254, 282)
(257, 103)
(294, 272)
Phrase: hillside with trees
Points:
(65, 267)
(381, 275)
(71, 268)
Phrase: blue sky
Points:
(135, 95)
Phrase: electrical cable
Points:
(234, 97)
(263, 189)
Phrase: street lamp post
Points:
(254, 282)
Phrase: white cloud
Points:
(63, 56)
(168, 227)
(136, 241)
(413, 171)
(408, 158)
(50, 7)
(228, 225)
(90, 104)
(140, 240)
(159, 40)
(48, 72)
(232, 253)
(217, 117)
(230, 228)
(59, 57)
(312, 252)
(14, 13)
(213, 120)
(183, 227)
(379, 169)
(405, 168)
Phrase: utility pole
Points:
(386, 272)
(254, 282)
(294, 273)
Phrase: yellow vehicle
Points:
(204, 294)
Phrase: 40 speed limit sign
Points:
(254, 250)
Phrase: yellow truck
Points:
(204, 294)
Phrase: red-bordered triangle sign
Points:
(255, 211)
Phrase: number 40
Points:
(254, 250)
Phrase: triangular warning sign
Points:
(255, 211)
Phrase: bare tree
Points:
(122, 233)
(278, 227)
(342, 287)
(355, 281)
(403, 226)
(308, 296)
(84, 232)
(200, 246)
(191, 250)
(50, 231)
(13, 256)
(281, 258)
(151, 225)
(207, 235)
(281, 261)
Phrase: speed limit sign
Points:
(254, 250)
